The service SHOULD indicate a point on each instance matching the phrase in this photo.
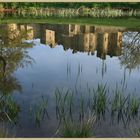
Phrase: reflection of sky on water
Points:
(50, 71)
(69, 65)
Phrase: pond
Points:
(58, 75)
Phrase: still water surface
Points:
(37, 59)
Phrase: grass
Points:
(68, 69)
(121, 22)
(100, 100)
(79, 72)
(121, 107)
(70, 105)
(81, 129)
(118, 102)
(9, 110)
(134, 105)
(118, 106)
(137, 132)
(72, 12)
(3, 133)
(40, 110)
(64, 103)
(6, 133)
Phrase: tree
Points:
(131, 52)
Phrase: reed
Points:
(3, 133)
(133, 106)
(73, 107)
(63, 99)
(81, 129)
(99, 100)
(82, 111)
(79, 72)
(118, 103)
(137, 132)
(6, 133)
(68, 69)
(40, 110)
(9, 109)
(120, 106)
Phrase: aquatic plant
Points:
(64, 102)
(118, 104)
(136, 132)
(75, 129)
(79, 72)
(6, 133)
(133, 106)
(81, 108)
(9, 109)
(99, 99)
(40, 110)
(74, 103)
(68, 69)
(3, 133)
(72, 109)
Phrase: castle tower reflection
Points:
(84, 38)
(79, 38)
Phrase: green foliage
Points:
(71, 12)
(76, 129)
(40, 10)
(70, 5)
(64, 102)
(39, 111)
(100, 100)
(134, 105)
(3, 133)
(9, 109)
(137, 132)
(118, 103)
(6, 133)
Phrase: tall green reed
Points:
(99, 103)
(40, 110)
(77, 128)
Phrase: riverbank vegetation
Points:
(132, 5)
(78, 113)
(78, 13)
(69, 10)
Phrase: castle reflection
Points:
(84, 38)
(79, 38)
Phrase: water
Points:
(37, 59)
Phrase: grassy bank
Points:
(122, 22)
(32, 12)
(132, 5)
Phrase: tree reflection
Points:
(130, 57)
(13, 55)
